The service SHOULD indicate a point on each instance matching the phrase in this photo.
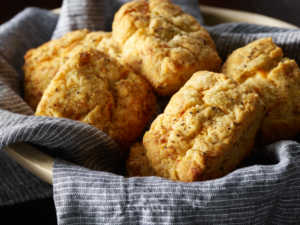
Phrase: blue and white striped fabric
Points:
(267, 191)
(253, 195)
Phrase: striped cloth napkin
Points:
(267, 191)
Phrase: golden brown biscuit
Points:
(137, 163)
(163, 44)
(206, 130)
(103, 41)
(96, 89)
(260, 65)
(42, 63)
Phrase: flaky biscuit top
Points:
(163, 43)
(208, 127)
(260, 65)
(42, 63)
(94, 88)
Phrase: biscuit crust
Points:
(137, 163)
(206, 130)
(163, 44)
(42, 63)
(260, 65)
(94, 88)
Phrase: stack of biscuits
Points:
(215, 116)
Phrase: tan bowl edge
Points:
(35, 161)
(213, 16)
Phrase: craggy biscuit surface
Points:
(163, 43)
(260, 65)
(96, 89)
(206, 130)
(42, 63)
(137, 163)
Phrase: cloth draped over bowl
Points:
(266, 191)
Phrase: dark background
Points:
(286, 10)
(43, 211)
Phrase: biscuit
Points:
(94, 88)
(206, 130)
(42, 63)
(260, 65)
(137, 163)
(163, 44)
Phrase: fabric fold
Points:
(256, 194)
(29, 29)
(229, 37)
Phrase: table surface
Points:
(43, 211)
